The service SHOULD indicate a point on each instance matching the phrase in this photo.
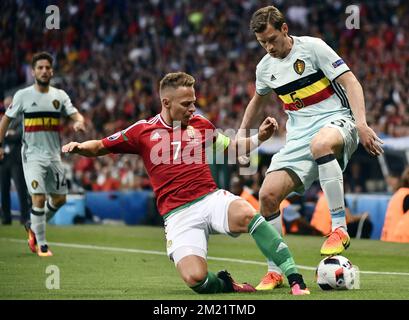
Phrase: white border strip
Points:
(160, 253)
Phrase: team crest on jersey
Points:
(190, 132)
(56, 104)
(299, 66)
(34, 184)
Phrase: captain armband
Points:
(222, 143)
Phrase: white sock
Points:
(331, 180)
(272, 267)
(276, 223)
(38, 223)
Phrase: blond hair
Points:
(175, 80)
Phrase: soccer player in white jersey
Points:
(326, 119)
(42, 107)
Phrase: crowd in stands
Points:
(111, 54)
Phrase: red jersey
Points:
(174, 158)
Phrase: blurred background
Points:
(111, 54)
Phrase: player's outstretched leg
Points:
(193, 270)
(274, 248)
(232, 286)
(221, 283)
(331, 180)
(273, 278)
(271, 196)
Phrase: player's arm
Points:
(4, 124)
(368, 138)
(242, 146)
(14, 132)
(254, 113)
(90, 148)
(78, 121)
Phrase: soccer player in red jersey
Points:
(173, 148)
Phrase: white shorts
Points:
(188, 229)
(45, 177)
(296, 154)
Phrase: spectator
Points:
(396, 217)
(110, 56)
(401, 231)
(292, 219)
(11, 168)
(239, 189)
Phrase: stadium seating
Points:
(222, 56)
(74, 208)
(131, 207)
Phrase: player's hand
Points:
(71, 147)
(371, 142)
(1, 153)
(79, 126)
(267, 128)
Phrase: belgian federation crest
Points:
(56, 104)
(34, 184)
(299, 66)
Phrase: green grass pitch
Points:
(121, 262)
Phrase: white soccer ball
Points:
(338, 273)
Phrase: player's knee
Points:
(38, 200)
(248, 215)
(320, 147)
(269, 201)
(194, 277)
(240, 216)
(245, 215)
